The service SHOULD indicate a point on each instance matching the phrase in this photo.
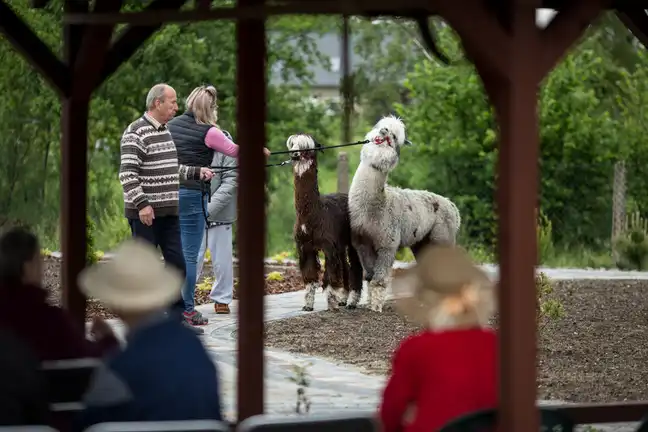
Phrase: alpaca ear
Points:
(408, 142)
(317, 144)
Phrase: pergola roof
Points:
(511, 55)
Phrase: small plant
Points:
(46, 252)
(205, 285)
(281, 257)
(405, 255)
(274, 276)
(549, 307)
(301, 377)
(544, 232)
(207, 256)
(99, 255)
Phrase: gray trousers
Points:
(220, 247)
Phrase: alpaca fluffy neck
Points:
(368, 185)
(306, 190)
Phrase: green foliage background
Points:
(592, 113)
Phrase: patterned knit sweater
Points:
(149, 170)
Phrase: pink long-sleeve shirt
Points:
(216, 140)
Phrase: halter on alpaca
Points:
(386, 218)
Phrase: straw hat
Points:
(444, 290)
(134, 280)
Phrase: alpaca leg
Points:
(333, 279)
(366, 254)
(344, 296)
(309, 268)
(355, 278)
(378, 285)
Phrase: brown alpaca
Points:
(322, 224)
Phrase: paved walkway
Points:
(335, 387)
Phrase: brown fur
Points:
(328, 229)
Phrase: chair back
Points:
(551, 420)
(162, 426)
(312, 423)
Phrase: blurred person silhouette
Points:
(450, 368)
(150, 380)
(23, 395)
(47, 330)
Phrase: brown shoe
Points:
(221, 309)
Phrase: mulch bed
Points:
(596, 353)
(290, 281)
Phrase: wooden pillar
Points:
(512, 55)
(251, 133)
(74, 179)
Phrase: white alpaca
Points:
(386, 218)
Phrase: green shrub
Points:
(549, 307)
(544, 231)
(632, 250)
(91, 254)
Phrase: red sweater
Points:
(47, 329)
(442, 375)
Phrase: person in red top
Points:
(24, 311)
(449, 369)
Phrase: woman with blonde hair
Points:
(197, 136)
(450, 368)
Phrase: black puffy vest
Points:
(189, 139)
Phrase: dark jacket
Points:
(48, 330)
(23, 397)
(164, 373)
(189, 139)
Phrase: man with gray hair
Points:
(150, 176)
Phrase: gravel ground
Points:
(596, 353)
(289, 280)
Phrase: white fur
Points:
(388, 217)
(309, 298)
(303, 228)
(332, 298)
(299, 143)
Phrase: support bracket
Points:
(133, 37)
(428, 36)
(636, 20)
(34, 50)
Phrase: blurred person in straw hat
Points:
(450, 368)
(150, 380)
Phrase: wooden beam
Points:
(565, 29)
(358, 7)
(92, 52)
(34, 50)
(484, 39)
(605, 413)
(74, 175)
(251, 88)
(636, 20)
(134, 36)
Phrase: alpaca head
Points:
(386, 138)
(303, 154)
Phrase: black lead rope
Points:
(222, 169)
(205, 189)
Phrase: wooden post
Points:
(251, 234)
(343, 173)
(618, 201)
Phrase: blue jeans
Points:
(192, 230)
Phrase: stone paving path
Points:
(335, 387)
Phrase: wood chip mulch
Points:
(596, 353)
(288, 280)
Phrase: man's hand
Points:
(206, 174)
(266, 152)
(146, 215)
(100, 329)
